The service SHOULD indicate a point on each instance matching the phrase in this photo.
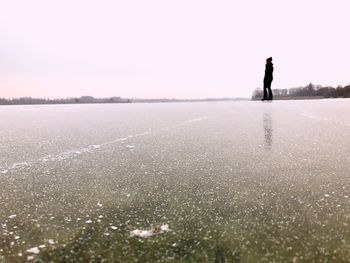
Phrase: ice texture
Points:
(235, 182)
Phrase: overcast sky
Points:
(174, 49)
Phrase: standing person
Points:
(268, 79)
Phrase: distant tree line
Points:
(187, 100)
(309, 90)
(83, 99)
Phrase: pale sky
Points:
(173, 49)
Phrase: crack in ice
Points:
(74, 153)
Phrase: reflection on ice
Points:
(268, 129)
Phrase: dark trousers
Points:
(267, 90)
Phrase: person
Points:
(268, 80)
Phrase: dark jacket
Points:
(268, 72)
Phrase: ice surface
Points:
(130, 146)
(141, 233)
(164, 228)
(150, 231)
(33, 250)
(235, 181)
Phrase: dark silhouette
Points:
(268, 79)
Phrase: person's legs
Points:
(270, 92)
(265, 91)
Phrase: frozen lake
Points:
(225, 181)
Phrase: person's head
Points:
(269, 60)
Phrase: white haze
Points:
(181, 49)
